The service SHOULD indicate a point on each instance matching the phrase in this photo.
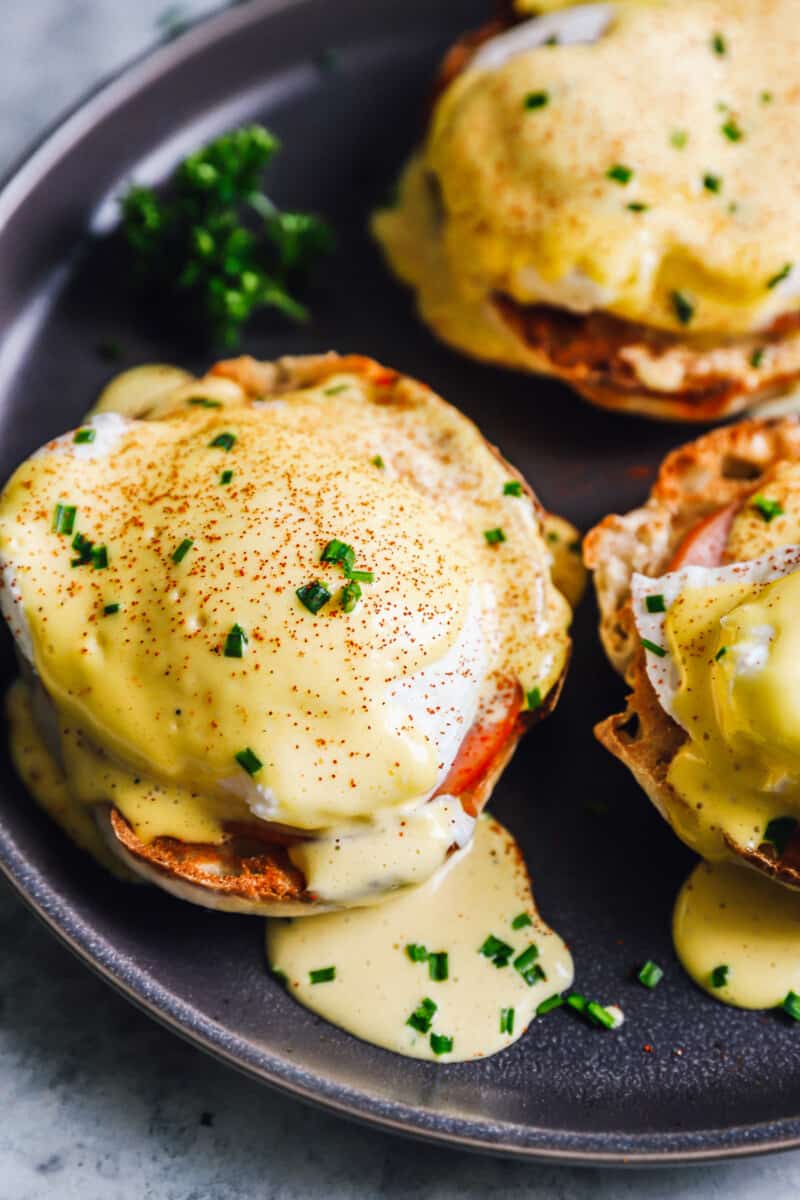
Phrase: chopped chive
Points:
(226, 476)
(313, 595)
(180, 553)
(578, 1002)
(521, 920)
(655, 604)
(84, 548)
(731, 130)
(99, 557)
(620, 174)
(527, 966)
(719, 976)
(684, 309)
(322, 975)
(340, 553)
(336, 389)
(494, 536)
(422, 1016)
(497, 950)
(548, 1005)
(204, 402)
(506, 1020)
(766, 97)
(769, 509)
(85, 435)
(235, 642)
(537, 100)
(651, 974)
(441, 1044)
(110, 609)
(599, 1015)
(361, 576)
(779, 832)
(512, 487)
(351, 594)
(534, 698)
(378, 462)
(438, 966)
(636, 206)
(757, 357)
(416, 952)
(712, 183)
(791, 1005)
(223, 441)
(249, 761)
(659, 651)
(723, 650)
(552, 536)
(678, 138)
(779, 277)
(64, 518)
(718, 44)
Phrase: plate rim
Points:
(72, 931)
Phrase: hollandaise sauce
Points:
(451, 970)
(737, 935)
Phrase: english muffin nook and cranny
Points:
(699, 593)
(280, 630)
(609, 193)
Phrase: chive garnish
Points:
(534, 698)
(441, 1044)
(600, 1015)
(110, 609)
(779, 277)
(527, 966)
(521, 920)
(548, 1005)
(537, 100)
(552, 536)
(791, 1005)
(351, 594)
(678, 138)
(497, 950)
(85, 435)
(180, 553)
(378, 462)
(757, 357)
(636, 206)
(340, 553)
(651, 974)
(249, 761)
(684, 309)
(235, 642)
(204, 402)
(731, 130)
(64, 518)
(506, 1020)
(578, 1002)
(361, 576)
(422, 1015)
(655, 604)
(779, 832)
(494, 536)
(438, 966)
(336, 389)
(99, 557)
(226, 477)
(84, 548)
(416, 952)
(223, 441)
(723, 650)
(766, 97)
(322, 975)
(512, 487)
(718, 44)
(619, 173)
(719, 976)
(659, 651)
(712, 183)
(769, 509)
(313, 595)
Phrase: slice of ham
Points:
(705, 544)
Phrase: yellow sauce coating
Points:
(377, 986)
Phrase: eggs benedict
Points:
(606, 194)
(280, 629)
(699, 592)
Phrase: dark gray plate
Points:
(685, 1078)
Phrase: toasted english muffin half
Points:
(473, 225)
(687, 520)
(249, 869)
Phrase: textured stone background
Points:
(97, 1102)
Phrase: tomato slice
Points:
(482, 745)
(704, 546)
